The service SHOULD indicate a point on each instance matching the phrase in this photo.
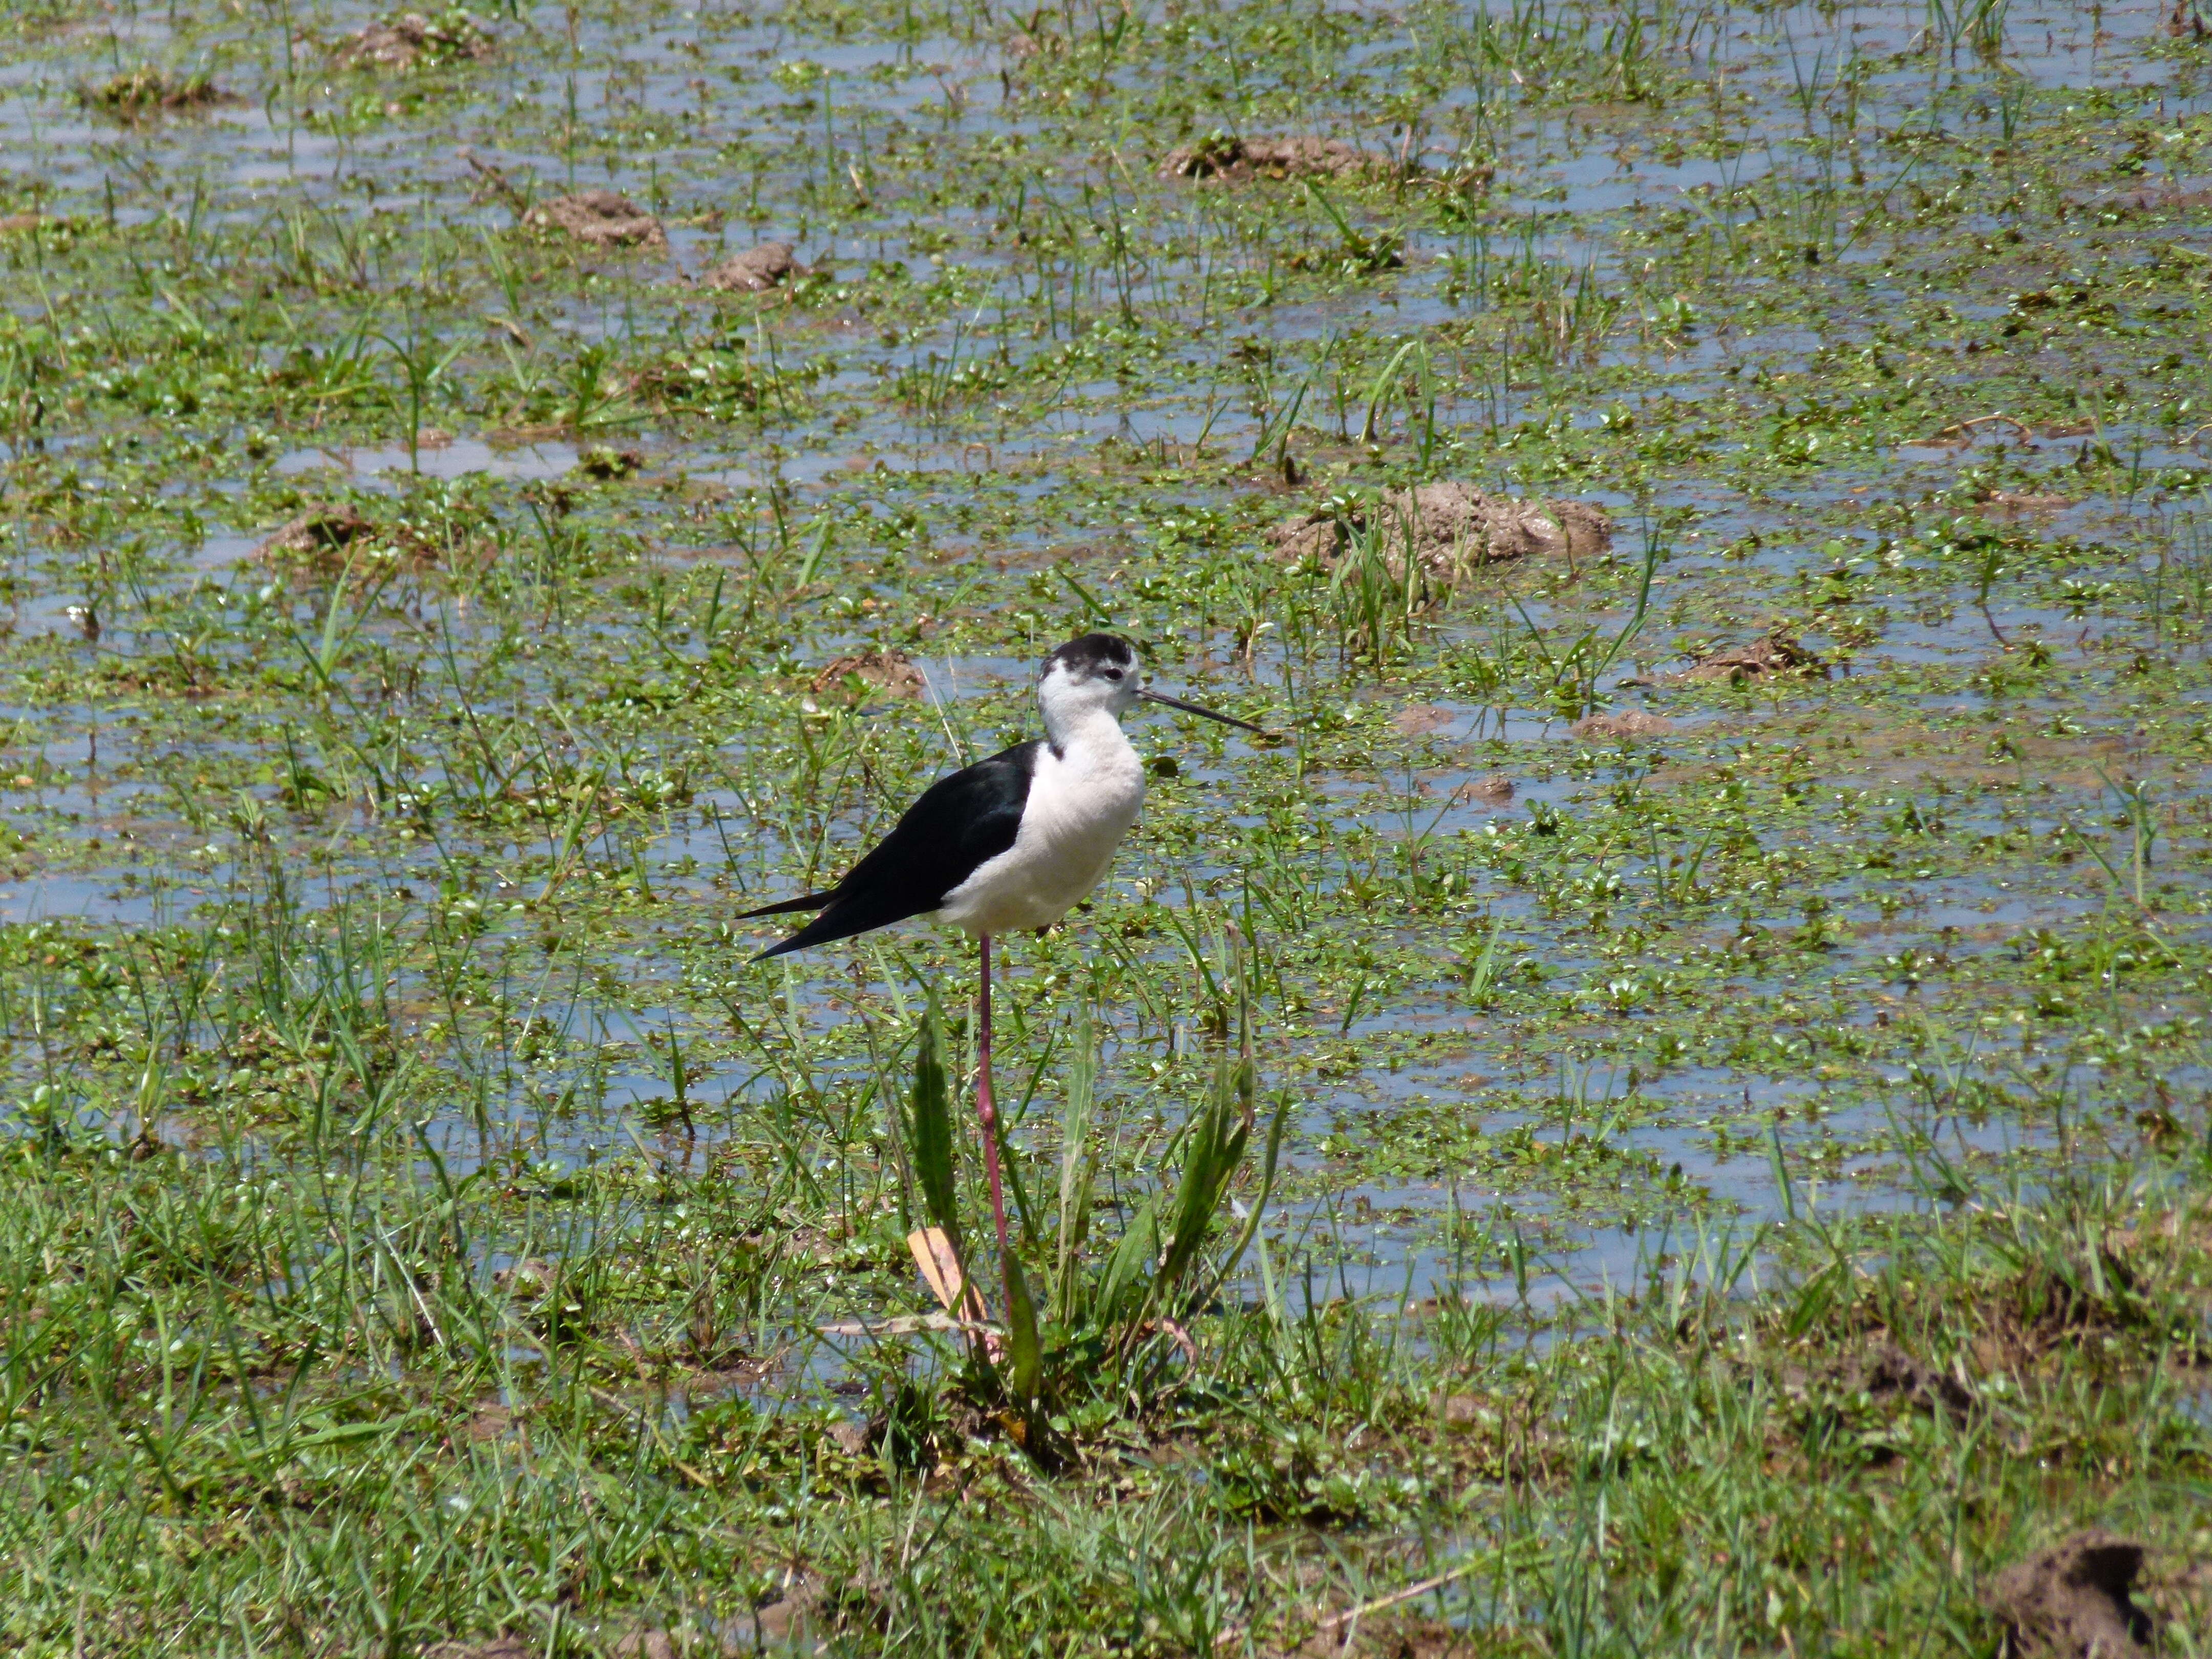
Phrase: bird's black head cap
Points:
(1091, 655)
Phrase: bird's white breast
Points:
(1081, 802)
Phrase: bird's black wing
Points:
(959, 822)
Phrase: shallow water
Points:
(741, 128)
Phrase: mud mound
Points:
(1389, 1637)
(500, 1647)
(599, 218)
(2074, 1601)
(413, 40)
(1612, 727)
(1239, 159)
(318, 536)
(152, 91)
(1418, 720)
(2025, 501)
(890, 671)
(1496, 789)
(1777, 653)
(1452, 527)
(756, 271)
(1888, 1373)
(606, 463)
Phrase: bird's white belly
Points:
(1078, 809)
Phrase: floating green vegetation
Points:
(1669, 1110)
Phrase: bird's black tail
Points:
(804, 901)
(841, 919)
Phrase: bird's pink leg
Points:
(984, 1109)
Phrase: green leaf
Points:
(1024, 1350)
(1216, 1148)
(1078, 1163)
(1259, 1205)
(929, 1127)
(1130, 1261)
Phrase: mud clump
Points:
(1389, 1635)
(608, 464)
(1888, 1373)
(1418, 720)
(318, 536)
(1774, 655)
(599, 218)
(1614, 727)
(413, 41)
(1241, 160)
(892, 673)
(2074, 1601)
(1882, 1375)
(500, 1647)
(151, 92)
(1496, 790)
(756, 271)
(1452, 528)
(2023, 500)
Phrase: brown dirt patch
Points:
(1415, 720)
(1390, 1637)
(2073, 1601)
(500, 1647)
(604, 462)
(1453, 526)
(1496, 789)
(152, 91)
(599, 218)
(1776, 655)
(1469, 1411)
(770, 1627)
(1241, 160)
(890, 671)
(1886, 1373)
(318, 537)
(756, 271)
(2012, 500)
(490, 1420)
(410, 40)
(1613, 726)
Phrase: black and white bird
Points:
(1012, 843)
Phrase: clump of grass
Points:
(138, 92)
(1111, 1323)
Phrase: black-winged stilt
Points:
(1011, 841)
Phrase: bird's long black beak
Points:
(1150, 696)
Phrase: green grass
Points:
(1736, 1193)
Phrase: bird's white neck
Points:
(1082, 714)
(1087, 732)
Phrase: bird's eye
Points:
(1113, 673)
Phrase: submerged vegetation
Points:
(1666, 1112)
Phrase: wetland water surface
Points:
(488, 499)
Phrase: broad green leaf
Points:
(1130, 1264)
(1025, 1354)
(929, 1127)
